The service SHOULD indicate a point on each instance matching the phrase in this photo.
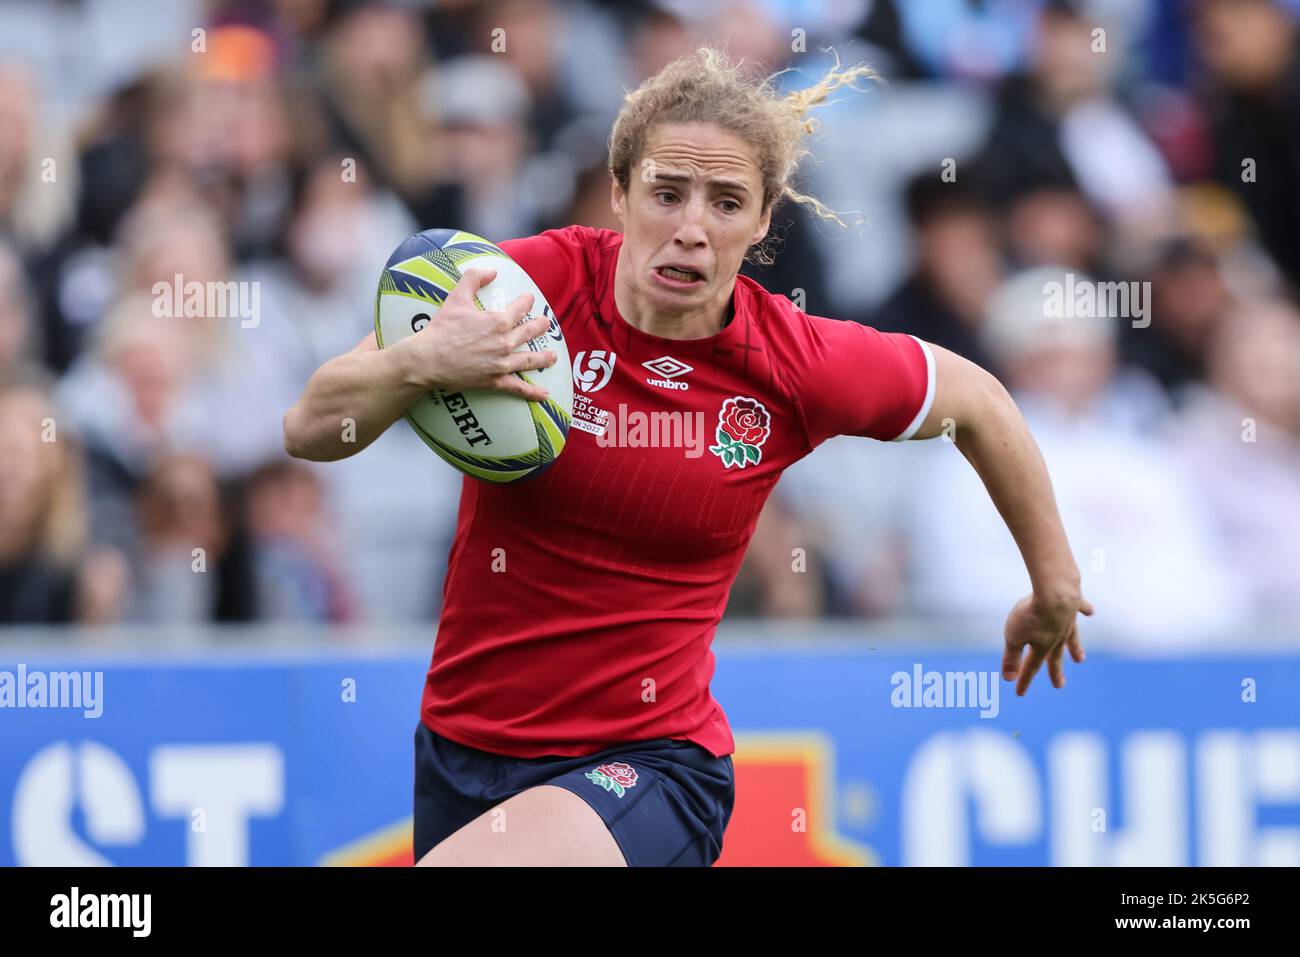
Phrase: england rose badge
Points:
(616, 777)
(743, 427)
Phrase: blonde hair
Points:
(59, 518)
(707, 87)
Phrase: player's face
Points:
(694, 203)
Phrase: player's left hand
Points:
(1048, 627)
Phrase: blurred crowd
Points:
(288, 146)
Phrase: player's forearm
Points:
(348, 403)
(996, 441)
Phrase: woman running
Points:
(567, 717)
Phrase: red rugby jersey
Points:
(579, 606)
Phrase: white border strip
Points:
(911, 430)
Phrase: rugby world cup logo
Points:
(616, 777)
(591, 370)
(743, 427)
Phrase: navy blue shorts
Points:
(666, 801)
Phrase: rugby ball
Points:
(485, 433)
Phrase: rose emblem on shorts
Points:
(743, 427)
(616, 777)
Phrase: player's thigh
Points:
(542, 826)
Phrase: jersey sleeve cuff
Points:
(915, 424)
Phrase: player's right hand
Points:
(465, 347)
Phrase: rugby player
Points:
(567, 717)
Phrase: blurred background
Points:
(293, 144)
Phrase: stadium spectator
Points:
(454, 27)
(234, 379)
(1189, 298)
(295, 573)
(1060, 126)
(183, 537)
(749, 31)
(881, 27)
(657, 37)
(1051, 223)
(305, 140)
(121, 398)
(369, 75)
(46, 576)
(956, 268)
(34, 156)
(479, 105)
(220, 123)
(590, 205)
(1239, 441)
(1144, 546)
(77, 280)
(19, 334)
(318, 291)
(533, 32)
(848, 500)
(1249, 51)
(782, 575)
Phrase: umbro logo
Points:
(668, 369)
